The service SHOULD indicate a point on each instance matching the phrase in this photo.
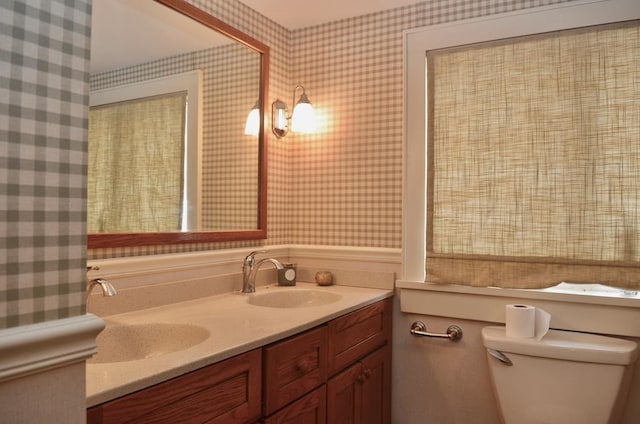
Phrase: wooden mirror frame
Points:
(108, 240)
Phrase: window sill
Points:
(577, 312)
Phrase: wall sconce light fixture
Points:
(252, 127)
(302, 120)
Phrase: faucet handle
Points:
(249, 260)
(250, 257)
(93, 268)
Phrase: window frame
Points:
(418, 296)
(417, 41)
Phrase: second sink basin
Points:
(293, 298)
(119, 343)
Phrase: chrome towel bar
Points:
(454, 333)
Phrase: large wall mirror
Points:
(170, 157)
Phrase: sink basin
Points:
(119, 342)
(296, 298)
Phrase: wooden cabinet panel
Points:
(311, 409)
(294, 367)
(228, 392)
(354, 335)
(361, 394)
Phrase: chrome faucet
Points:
(250, 269)
(107, 288)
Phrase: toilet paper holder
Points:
(454, 333)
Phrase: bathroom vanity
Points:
(302, 364)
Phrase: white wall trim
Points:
(166, 268)
(148, 281)
(586, 313)
(347, 253)
(170, 267)
(36, 348)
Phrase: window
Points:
(466, 202)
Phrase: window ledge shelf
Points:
(577, 312)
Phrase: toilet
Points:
(565, 378)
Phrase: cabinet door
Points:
(344, 396)
(362, 393)
(376, 387)
(311, 409)
(228, 392)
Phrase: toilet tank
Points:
(565, 378)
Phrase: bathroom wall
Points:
(346, 188)
(341, 186)
(44, 63)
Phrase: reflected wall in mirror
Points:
(219, 176)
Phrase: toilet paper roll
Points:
(525, 321)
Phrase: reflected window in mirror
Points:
(141, 139)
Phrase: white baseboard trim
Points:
(35, 348)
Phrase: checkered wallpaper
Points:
(341, 186)
(44, 63)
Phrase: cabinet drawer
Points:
(311, 409)
(227, 392)
(293, 367)
(358, 333)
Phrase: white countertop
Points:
(234, 325)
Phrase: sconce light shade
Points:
(252, 127)
(303, 118)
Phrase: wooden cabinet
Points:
(361, 394)
(358, 358)
(228, 392)
(339, 372)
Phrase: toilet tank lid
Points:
(567, 345)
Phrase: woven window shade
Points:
(534, 160)
(136, 152)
